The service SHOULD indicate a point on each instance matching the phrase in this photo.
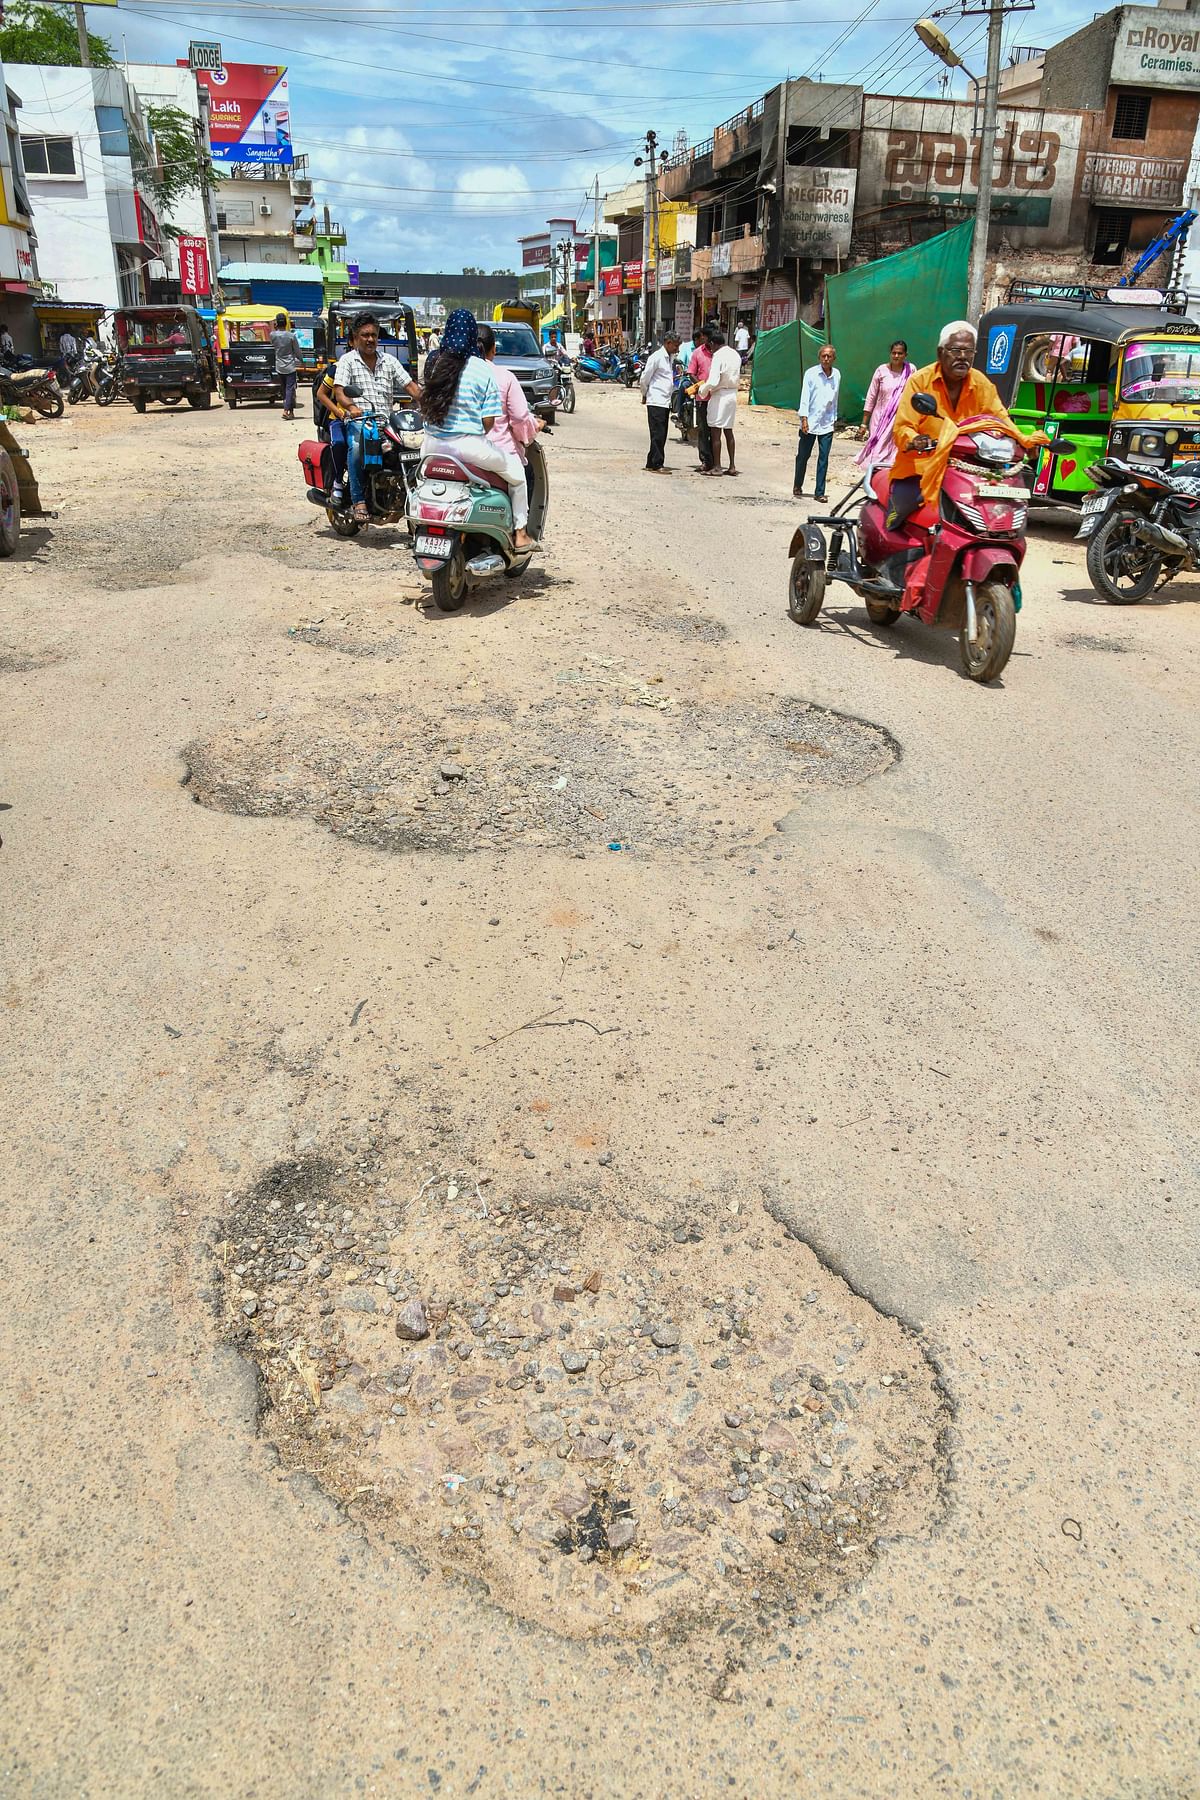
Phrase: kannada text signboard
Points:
(249, 112)
(193, 266)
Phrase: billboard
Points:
(249, 114)
(818, 212)
(1156, 51)
(193, 266)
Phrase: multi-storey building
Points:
(18, 245)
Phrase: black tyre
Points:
(139, 402)
(106, 393)
(343, 523)
(49, 403)
(199, 402)
(806, 591)
(880, 613)
(995, 632)
(450, 583)
(75, 393)
(567, 400)
(1121, 570)
(231, 400)
(10, 505)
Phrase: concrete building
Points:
(164, 84)
(97, 230)
(18, 244)
(329, 239)
(265, 214)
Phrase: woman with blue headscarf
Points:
(460, 404)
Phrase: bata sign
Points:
(1108, 178)
(193, 266)
(1153, 49)
(818, 212)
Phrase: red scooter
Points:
(955, 565)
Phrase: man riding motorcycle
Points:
(923, 446)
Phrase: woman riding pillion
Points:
(461, 404)
(516, 426)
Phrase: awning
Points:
(15, 287)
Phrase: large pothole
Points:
(619, 1426)
(610, 760)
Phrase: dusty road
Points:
(491, 1313)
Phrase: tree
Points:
(45, 34)
(182, 164)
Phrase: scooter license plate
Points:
(1000, 492)
(1093, 503)
(433, 546)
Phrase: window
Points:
(113, 127)
(49, 155)
(1132, 116)
(1112, 235)
(18, 176)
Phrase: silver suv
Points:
(517, 349)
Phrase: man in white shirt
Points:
(818, 416)
(720, 389)
(379, 379)
(657, 383)
(741, 339)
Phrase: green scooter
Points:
(461, 524)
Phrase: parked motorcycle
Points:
(955, 566)
(462, 525)
(93, 378)
(391, 452)
(606, 365)
(1142, 529)
(36, 388)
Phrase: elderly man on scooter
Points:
(961, 392)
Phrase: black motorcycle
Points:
(391, 453)
(35, 388)
(1142, 528)
(566, 388)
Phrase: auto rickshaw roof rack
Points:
(1173, 300)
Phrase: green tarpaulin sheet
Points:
(780, 358)
(910, 295)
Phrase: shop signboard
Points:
(193, 266)
(666, 271)
(818, 212)
(633, 277)
(610, 282)
(1156, 49)
(685, 312)
(1125, 180)
(249, 112)
(205, 56)
(719, 263)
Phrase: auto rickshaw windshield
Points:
(1161, 369)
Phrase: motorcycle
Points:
(94, 378)
(956, 565)
(1142, 529)
(566, 388)
(36, 388)
(462, 527)
(684, 404)
(604, 366)
(391, 453)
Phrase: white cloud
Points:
(484, 182)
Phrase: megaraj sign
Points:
(818, 212)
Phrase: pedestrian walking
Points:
(879, 409)
(818, 416)
(288, 357)
(698, 366)
(657, 382)
(741, 341)
(721, 391)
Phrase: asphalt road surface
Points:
(835, 1014)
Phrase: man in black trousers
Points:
(657, 382)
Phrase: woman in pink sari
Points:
(879, 409)
(516, 426)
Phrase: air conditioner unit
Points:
(264, 211)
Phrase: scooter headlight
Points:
(412, 440)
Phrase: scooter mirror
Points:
(352, 392)
(926, 405)
(1063, 447)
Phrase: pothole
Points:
(1080, 640)
(20, 662)
(619, 1427)
(695, 628)
(611, 759)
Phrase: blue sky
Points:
(438, 135)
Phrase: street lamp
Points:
(935, 40)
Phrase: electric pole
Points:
(649, 206)
(85, 52)
(596, 262)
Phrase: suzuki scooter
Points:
(604, 366)
(956, 565)
(462, 527)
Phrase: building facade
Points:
(193, 215)
(265, 213)
(97, 228)
(18, 243)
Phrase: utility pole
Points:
(647, 219)
(596, 263)
(935, 39)
(85, 54)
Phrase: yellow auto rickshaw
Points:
(245, 353)
(1156, 389)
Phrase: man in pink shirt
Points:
(698, 368)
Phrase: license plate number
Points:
(1003, 493)
(1093, 503)
(434, 546)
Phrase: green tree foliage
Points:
(181, 164)
(47, 34)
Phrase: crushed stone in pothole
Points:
(595, 1482)
(612, 757)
